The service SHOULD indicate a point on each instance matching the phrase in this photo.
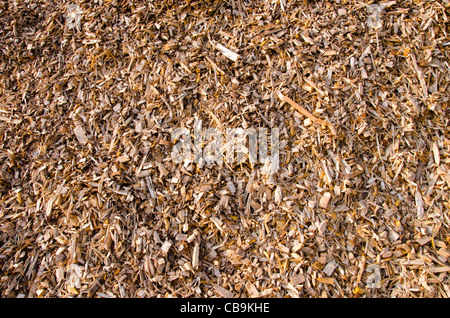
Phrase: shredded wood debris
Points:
(92, 205)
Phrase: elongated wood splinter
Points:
(306, 113)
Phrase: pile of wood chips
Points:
(92, 204)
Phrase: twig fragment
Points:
(306, 113)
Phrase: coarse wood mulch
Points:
(92, 204)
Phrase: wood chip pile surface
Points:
(92, 205)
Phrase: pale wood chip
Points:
(225, 293)
(325, 200)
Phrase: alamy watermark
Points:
(234, 145)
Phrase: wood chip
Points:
(325, 200)
(223, 292)
(343, 187)
(298, 279)
(195, 256)
(326, 280)
(330, 267)
(227, 52)
(166, 246)
(80, 134)
(436, 157)
(423, 240)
